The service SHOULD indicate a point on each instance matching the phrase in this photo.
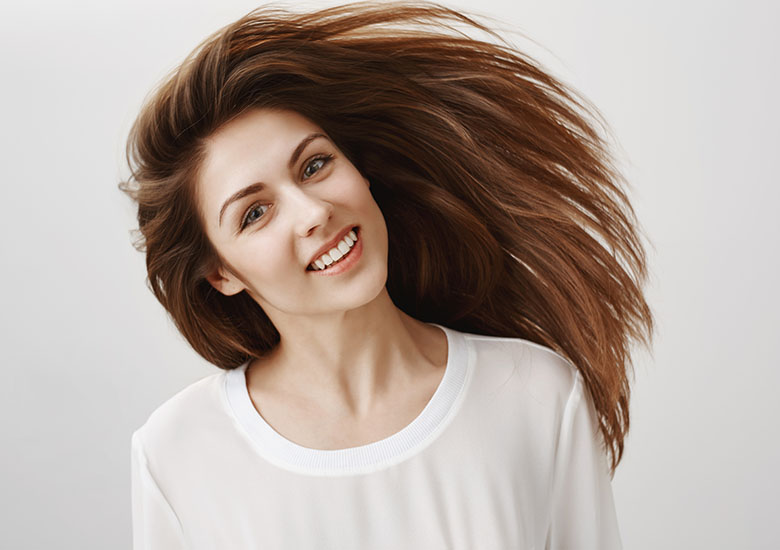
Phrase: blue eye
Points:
(325, 160)
(249, 217)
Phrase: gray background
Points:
(690, 91)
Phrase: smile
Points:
(341, 257)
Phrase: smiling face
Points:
(272, 191)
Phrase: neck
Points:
(351, 364)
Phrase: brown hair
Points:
(505, 213)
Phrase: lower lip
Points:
(346, 262)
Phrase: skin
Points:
(351, 368)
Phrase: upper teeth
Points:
(335, 253)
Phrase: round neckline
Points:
(289, 455)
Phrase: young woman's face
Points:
(272, 192)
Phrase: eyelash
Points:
(244, 220)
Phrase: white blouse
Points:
(506, 455)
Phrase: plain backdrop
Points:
(690, 91)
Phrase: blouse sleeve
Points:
(583, 513)
(155, 524)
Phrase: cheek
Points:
(262, 262)
(362, 198)
(266, 263)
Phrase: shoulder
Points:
(523, 390)
(540, 372)
(179, 414)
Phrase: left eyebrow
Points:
(258, 186)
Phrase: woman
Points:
(409, 254)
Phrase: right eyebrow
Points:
(248, 190)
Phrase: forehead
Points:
(251, 147)
(259, 133)
(261, 124)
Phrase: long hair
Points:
(505, 213)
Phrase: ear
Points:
(225, 282)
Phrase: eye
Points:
(320, 160)
(251, 215)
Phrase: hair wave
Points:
(506, 215)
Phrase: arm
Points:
(583, 513)
(155, 524)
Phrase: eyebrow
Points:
(258, 186)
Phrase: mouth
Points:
(326, 266)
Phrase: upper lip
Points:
(330, 244)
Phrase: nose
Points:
(309, 211)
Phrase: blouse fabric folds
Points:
(507, 454)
